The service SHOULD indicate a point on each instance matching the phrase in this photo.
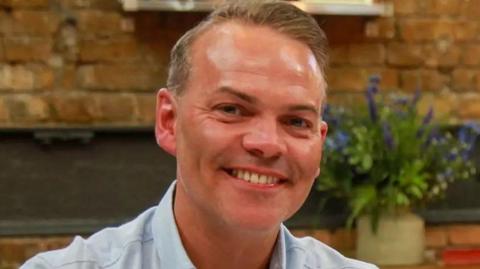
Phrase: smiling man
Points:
(242, 115)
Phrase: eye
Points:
(298, 123)
(230, 109)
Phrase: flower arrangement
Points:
(390, 157)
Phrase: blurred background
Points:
(77, 93)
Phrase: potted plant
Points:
(385, 160)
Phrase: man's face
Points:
(248, 131)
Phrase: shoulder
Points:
(103, 249)
(315, 254)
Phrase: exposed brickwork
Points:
(405, 7)
(465, 79)
(464, 235)
(14, 251)
(25, 3)
(145, 104)
(405, 55)
(471, 55)
(425, 80)
(123, 48)
(436, 237)
(31, 22)
(442, 7)
(120, 77)
(79, 51)
(470, 108)
(24, 48)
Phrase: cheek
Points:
(307, 154)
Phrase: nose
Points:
(264, 140)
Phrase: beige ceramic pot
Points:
(399, 240)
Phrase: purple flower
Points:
(371, 91)
(415, 99)
(387, 136)
(468, 135)
(426, 120)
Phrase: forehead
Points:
(256, 53)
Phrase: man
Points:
(242, 114)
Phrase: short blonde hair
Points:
(279, 15)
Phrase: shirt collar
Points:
(166, 237)
(169, 245)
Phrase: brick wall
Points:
(433, 45)
(82, 62)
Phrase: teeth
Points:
(262, 179)
(255, 178)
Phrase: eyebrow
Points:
(254, 100)
(241, 95)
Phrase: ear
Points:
(323, 130)
(165, 122)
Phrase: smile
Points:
(254, 178)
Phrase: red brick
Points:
(121, 77)
(470, 9)
(471, 55)
(413, 30)
(18, 249)
(25, 3)
(405, 7)
(465, 79)
(444, 104)
(113, 49)
(25, 108)
(389, 78)
(145, 108)
(356, 79)
(467, 30)
(2, 50)
(32, 22)
(302, 232)
(380, 28)
(68, 77)
(3, 111)
(338, 55)
(23, 77)
(27, 49)
(346, 78)
(12, 251)
(323, 236)
(351, 100)
(113, 108)
(16, 78)
(72, 108)
(67, 43)
(366, 54)
(463, 235)
(95, 22)
(404, 55)
(442, 54)
(92, 4)
(469, 109)
(442, 7)
(343, 239)
(425, 80)
(435, 237)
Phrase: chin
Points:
(256, 220)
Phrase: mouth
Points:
(254, 177)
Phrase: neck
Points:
(211, 244)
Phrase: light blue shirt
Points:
(152, 241)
